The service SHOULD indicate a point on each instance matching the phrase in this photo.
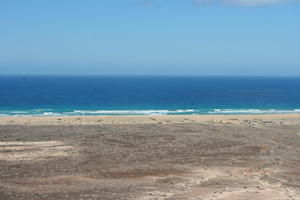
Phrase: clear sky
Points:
(150, 37)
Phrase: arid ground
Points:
(150, 157)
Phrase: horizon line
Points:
(151, 75)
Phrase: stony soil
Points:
(173, 161)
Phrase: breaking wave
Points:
(41, 112)
(55, 112)
(253, 111)
(133, 112)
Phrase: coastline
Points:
(150, 119)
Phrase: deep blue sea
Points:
(146, 95)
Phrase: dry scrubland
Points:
(150, 157)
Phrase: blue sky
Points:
(150, 37)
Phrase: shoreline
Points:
(148, 112)
(149, 119)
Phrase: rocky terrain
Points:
(183, 158)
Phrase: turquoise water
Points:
(117, 95)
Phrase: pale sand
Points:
(142, 119)
(242, 157)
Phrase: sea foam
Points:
(54, 112)
(253, 111)
(132, 112)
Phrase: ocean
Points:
(147, 95)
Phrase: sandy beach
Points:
(241, 157)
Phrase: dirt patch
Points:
(27, 151)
